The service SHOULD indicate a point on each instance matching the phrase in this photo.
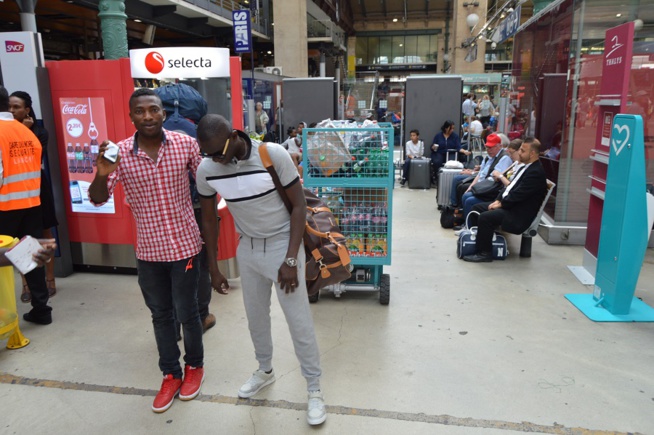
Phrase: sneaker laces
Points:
(168, 385)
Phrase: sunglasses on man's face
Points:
(220, 155)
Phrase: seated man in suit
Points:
(516, 205)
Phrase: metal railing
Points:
(324, 29)
(224, 9)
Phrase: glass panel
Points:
(385, 50)
(398, 49)
(551, 45)
(362, 51)
(373, 50)
(423, 47)
(411, 49)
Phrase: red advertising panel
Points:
(83, 122)
(90, 99)
(614, 90)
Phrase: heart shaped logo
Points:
(619, 143)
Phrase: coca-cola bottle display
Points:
(95, 150)
(79, 158)
(70, 155)
(88, 166)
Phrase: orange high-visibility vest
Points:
(20, 151)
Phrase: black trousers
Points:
(486, 223)
(29, 222)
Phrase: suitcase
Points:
(419, 174)
(445, 177)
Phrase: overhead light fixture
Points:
(472, 20)
(269, 52)
(401, 45)
(395, 20)
(466, 4)
(618, 15)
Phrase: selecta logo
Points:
(14, 47)
(154, 62)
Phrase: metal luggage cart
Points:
(350, 165)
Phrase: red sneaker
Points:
(193, 378)
(169, 389)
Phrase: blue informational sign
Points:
(242, 31)
(624, 230)
(509, 26)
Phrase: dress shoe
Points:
(208, 322)
(41, 320)
(480, 257)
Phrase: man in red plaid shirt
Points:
(153, 168)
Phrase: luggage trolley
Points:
(350, 165)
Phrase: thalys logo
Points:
(14, 47)
(154, 62)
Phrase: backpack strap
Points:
(268, 164)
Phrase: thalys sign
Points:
(179, 62)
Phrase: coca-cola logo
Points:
(154, 62)
(77, 109)
(14, 47)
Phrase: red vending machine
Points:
(90, 102)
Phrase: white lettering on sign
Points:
(79, 109)
(175, 62)
(74, 127)
(14, 47)
(614, 61)
(189, 63)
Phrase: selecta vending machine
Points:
(90, 99)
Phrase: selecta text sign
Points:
(179, 62)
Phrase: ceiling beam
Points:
(383, 3)
(160, 11)
(426, 7)
(192, 23)
(362, 3)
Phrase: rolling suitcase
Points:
(419, 174)
(445, 177)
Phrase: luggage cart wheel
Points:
(314, 297)
(385, 289)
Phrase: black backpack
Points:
(451, 217)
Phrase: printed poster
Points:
(85, 127)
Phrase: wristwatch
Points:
(291, 262)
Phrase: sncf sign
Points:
(179, 62)
(14, 47)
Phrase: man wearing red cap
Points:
(497, 160)
(516, 205)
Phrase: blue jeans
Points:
(168, 286)
(455, 183)
(469, 200)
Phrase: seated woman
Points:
(446, 141)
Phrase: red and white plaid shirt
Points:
(160, 197)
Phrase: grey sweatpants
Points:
(259, 261)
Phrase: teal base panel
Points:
(586, 303)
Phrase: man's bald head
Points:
(213, 126)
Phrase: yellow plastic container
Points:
(8, 312)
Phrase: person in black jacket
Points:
(516, 205)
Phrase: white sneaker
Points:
(316, 412)
(257, 381)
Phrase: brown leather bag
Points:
(328, 260)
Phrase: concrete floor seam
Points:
(446, 420)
